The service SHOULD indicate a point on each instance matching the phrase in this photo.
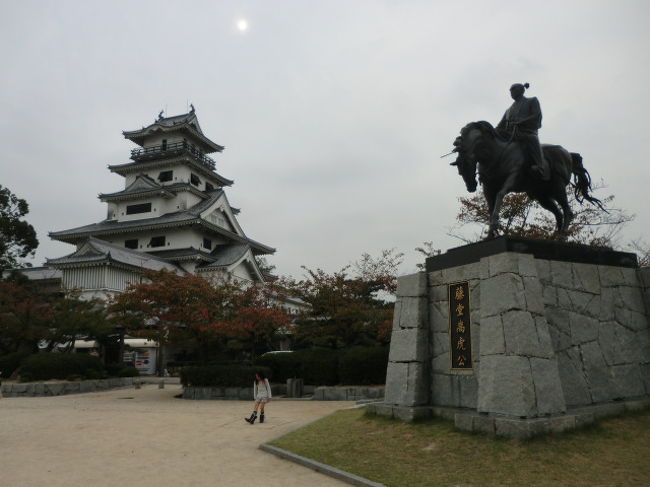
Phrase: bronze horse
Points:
(503, 169)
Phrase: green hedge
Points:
(363, 365)
(44, 366)
(221, 375)
(283, 366)
(324, 367)
(10, 362)
(314, 365)
(317, 366)
(128, 372)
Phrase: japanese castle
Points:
(172, 214)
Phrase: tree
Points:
(521, 216)
(348, 307)
(168, 308)
(256, 317)
(192, 312)
(427, 250)
(73, 318)
(17, 237)
(25, 315)
(265, 267)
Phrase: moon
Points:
(242, 25)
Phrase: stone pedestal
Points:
(556, 329)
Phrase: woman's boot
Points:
(251, 420)
(261, 417)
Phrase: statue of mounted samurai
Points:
(510, 159)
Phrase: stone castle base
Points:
(557, 333)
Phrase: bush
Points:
(10, 362)
(128, 372)
(113, 369)
(363, 365)
(44, 366)
(318, 366)
(283, 365)
(221, 375)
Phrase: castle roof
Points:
(207, 170)
(191, 216)
(186, 123)
(221, 256)
(145, 187)
(96, 252)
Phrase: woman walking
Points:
(262, 395)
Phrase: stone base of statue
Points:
(518, 337)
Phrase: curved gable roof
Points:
(187, 122)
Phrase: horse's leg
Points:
(490, 197)
(548, 203)
(508, 185)
(561, 197)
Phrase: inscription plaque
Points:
(460, 349)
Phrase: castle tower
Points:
(173, 213)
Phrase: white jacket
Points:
(261, 390)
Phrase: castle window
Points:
(194, 179)
(157, 241)
(164, 144)
(165, 176)
(207, 243)
(208, 187)
(141, 208)
(131, 244)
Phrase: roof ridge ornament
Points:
(160, 115)
(192, 110)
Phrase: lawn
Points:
(615, 452)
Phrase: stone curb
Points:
(313, 464)
(320, 467)
(348, 393)
(63, 388)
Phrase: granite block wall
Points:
(546, 336)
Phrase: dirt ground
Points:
(146, 437)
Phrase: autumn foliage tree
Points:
(257, 318)
(25, 315)
(30, 315)
(351, 306)
(192, 312)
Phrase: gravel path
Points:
(146, 437)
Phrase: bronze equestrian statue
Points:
(520, 123)
(509, 159)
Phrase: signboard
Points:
(460, 349)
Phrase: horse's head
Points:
(467, 145)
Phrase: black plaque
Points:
(460, 347)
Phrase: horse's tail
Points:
(582, 182)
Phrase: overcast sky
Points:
(333, 113)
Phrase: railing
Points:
(170, 150)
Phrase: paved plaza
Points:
(146, 437)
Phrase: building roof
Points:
(96, 251)
(226, 255)
(142, 187)
(191, 216)
(139, 166)
(186, 123)
(36, 273)
(177, 255)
